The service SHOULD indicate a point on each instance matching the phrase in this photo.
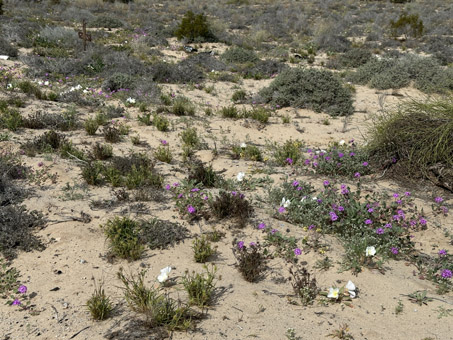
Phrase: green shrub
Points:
(416, 137)
(194, 28)
(230, 112)
(190, 137)
(289, 153)
(99, 305)
(124, 237)
(161, 122)
(91, 126)
(239, 55)
(163, 154)
(118, 81)
(200, 287)
(232, 205)
(314, 89)
(106, 21)
(407, 25)
(258, 113)
(10, 119)
(239, 96)
(182, 106)
(249, 153)
(202, 249)
(251, 260)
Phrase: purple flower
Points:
(340, 155)
(234, 193)
(352, 154)
(167, 187)
(273, 231)
(22, 289)
(447, 274)
(16, 302)
(396, 195)
(333, 216)
(438, 199)
(281, 210)
(357, 175)
(295, 183)
(299, 188)
(442, 252)
(368, 221)
(307, 161)
(315, 164)
(370, 210)
(195, 190)
(422, 221)
(297, 252)
(241, 244)
(252, 244)
(176, 184)
(326, 183)
(40, 164)
(261, 226)
(388, 225)
(407, 193)
(327, 158)
(180, 196)
(394, 250)
(164, 142)
(289, 160)
(340, 208)
(379, 231)
(365, 163)
(191, 209)
(312, 226)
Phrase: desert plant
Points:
(99, 304)
(314, 89)
(418, 148)
(161, 122)
(194, 27)
(239, 96)
(304, 286)
(407, 25)
(232, 204)
(91, 126)
(251, 260)
(102, 151)
(124, 237)
(239, 55)
(160, 234)
(202, 249)
(200, 287)
(182, 106)
(230, 112)
(163, 153)
(199, 173)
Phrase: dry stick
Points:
(76, 158)
(72, 337)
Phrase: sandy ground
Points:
(60, 277)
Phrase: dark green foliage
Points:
(50, 141)
(106, 21)
(99, 305)
(124, 237)
(314, 89)
(232, 205)
(239, 55)
(407, 25)
(353, 58)
(118, 81)
(10, 119)
(199, 173)
(200, 287)
(181, 73)
(262, 69)
(202, 249)
(29, 88)
(304, 286)
(194, 28)
(102, 151)
(160, 234)
(251, 261)
(182, 106)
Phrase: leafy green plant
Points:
(182, 106)
(102, 151)
(91, 126)
(200, 287)
(9, 278)
(161, 122)
(408, 25)
(248, 152)
(163, 153)
(10, 119)
(230, 112)
(239, 55)
(420, 297)
(238, 96)
(99, 304)
(289, 153)
(190, 137)
(202, 249)
(233, 205)
(124, 237)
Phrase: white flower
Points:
(285, 203)
(243, 145)
(341, 142)
(303, 198)
(314, 198)
(351, 289)
(333, 293)
(130, 100)
(9, 86)
(370, 251)
(164, 274)
(240, 176)
(46, 83)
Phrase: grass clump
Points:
(416, 138)
(289, 153)
(99, 305)
(202, 249)
(304, 286)
(159, 309)
(124, 237)
(318, 90)
(200, 287)
(232, 205)
(183, 107)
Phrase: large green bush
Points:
(194, 27)
(239, 55)
(314, 89)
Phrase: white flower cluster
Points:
(164, 274)
(130, 100)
